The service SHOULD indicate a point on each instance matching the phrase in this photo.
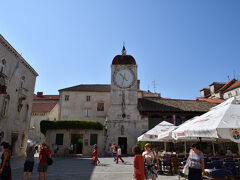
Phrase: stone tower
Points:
(123, 113)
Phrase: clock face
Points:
(124, 78)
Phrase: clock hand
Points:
(125, 77)
(121, 75)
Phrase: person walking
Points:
(95, 155)
(138, 164)
(150, 160)
(119, 154)
(45, 153)
(5, 168)
(195, 162)
(29, 161)
(114, 151)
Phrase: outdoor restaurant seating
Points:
(175, 165)
(231, 171)
(216, 174)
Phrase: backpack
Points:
(49, 160)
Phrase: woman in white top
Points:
(150, 159)
(119, 154)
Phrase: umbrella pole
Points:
(165, 146)
(213, 149)
(238, 148)
(185, 148)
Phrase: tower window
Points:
(5, 106)
(22, 82)
(100, 106)
(88, 98)
(87, 112)
(66, 97)
(2, 66)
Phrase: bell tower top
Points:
(123, 59)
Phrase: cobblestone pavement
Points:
(83, 169)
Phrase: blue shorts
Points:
(114, 154)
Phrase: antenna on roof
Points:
(228, 77)
(154, 86)
(234, 74)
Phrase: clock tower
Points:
(123, 113)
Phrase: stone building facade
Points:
(44, 107)
(124, 110)
(17, 83)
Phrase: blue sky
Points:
(182, 45)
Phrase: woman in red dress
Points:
(138, 163)
(95, 155)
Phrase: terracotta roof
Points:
(89, 87)
(42, 107)
(216, 101)
(233, 86)
(123, 60)
(46, 97)
(172, 105)
(227, 85)
(206, 92)
(217, 83)
(205, 89)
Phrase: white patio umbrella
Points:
(222, 121)
(152, 134)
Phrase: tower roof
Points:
(123, 59)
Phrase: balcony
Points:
(22, 92)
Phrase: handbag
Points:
(49, 160)
(186, 169)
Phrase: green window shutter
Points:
(93, 139)
(59, 139)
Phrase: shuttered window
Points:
(93, 139)
(59, 139)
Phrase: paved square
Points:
(83, 169)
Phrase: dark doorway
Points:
(14, 139)
(122, 142)
(77, 141)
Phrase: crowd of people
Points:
(146, 164)
(44, 157)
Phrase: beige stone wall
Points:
(75, 107)
(16, 122)
(34, 130)
(53, 115)
(234, 93)
(87, 148)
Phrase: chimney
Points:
(138, 84)
(39, 94)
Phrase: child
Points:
(114, 151)
(119, 154)
(95, 155)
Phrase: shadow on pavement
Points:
(62, 169)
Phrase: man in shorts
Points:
(114, 151)
(42, 167)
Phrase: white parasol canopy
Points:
(152, 134)
(222, 121)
